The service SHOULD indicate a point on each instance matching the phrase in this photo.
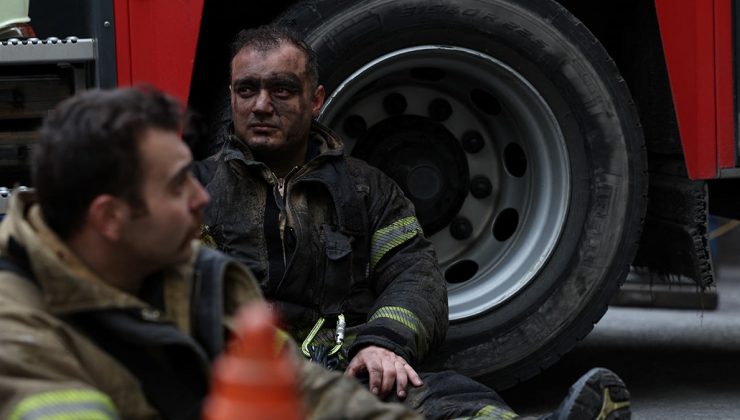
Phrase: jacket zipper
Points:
(282, 184)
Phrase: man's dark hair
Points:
(269, 37)
(89, 146)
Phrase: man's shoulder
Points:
(363, 171)
(24, 320)
(42, 354)
(18, 290)
(206, 168)
(22, 306)
(368, 179)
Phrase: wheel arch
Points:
(627, 29)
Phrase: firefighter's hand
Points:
(384, 368)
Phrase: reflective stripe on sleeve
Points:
(78, 404)
(490, 412)
(497, 413)
(402, 315)
(391, 236)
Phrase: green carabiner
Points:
(339, 335)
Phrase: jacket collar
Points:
(327, 141)
(323, 166)
(67, 284)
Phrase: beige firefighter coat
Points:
(45, 364)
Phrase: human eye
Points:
(284, 88)
(245, 89)
(282, 92)
(178, 183)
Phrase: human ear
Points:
(318, 100)
(106, 215)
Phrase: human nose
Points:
(200, 196)
(263, 102)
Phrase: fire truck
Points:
(551, 148)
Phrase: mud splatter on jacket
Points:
(72, 346)
(351, 244)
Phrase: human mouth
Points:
(190, 235)
(262, 127)
(195, 233)
(197, 228)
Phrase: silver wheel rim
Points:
(516, 227)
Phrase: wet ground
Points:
(678, 364)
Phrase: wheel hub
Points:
(425, 160)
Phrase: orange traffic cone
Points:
(252, 380)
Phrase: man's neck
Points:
(281, 169)
(110, 266)
(281, 163)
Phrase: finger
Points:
(354, 368)
(412, 375)
(375, 373)
(389, 375)
(401, 379)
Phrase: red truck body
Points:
(697, 41)
(156, 43)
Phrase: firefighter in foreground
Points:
(108, 309)
(333, 241)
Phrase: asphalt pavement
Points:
(678, 364)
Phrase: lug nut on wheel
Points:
(472, 142)
(480, 187)
(461, 228)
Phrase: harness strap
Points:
(207, 303)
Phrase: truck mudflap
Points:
(675, 243)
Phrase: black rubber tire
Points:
(575, 76)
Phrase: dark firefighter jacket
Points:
(348, 242)
(73, 347)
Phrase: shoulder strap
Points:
(208, 300)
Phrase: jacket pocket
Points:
(337, 270)
(337, 245)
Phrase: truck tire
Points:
(509, 126)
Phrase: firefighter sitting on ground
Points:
(332, 241)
